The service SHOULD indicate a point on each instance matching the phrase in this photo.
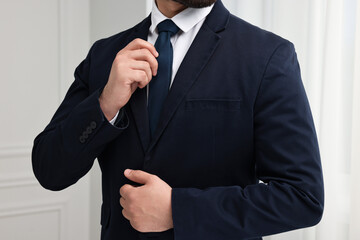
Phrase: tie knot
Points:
(168, 26)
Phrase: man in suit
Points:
(185, 130)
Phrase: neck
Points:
(169, 7)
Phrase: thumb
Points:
(137, 176)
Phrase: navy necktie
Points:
(159, 85)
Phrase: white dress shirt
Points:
(189, 21)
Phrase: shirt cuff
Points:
(112, 121)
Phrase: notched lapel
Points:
(138, 101)
(195, 60)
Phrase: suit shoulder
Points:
(255, 35)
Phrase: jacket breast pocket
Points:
(213, 104)
(105, 216)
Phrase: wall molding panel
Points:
(15, 151)
(27, 208)
(17, 180)
(59, 208)
(56, 40)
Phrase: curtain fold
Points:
(355, 146)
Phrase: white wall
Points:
(108, 17)
(41, 41)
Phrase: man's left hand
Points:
(148, 207)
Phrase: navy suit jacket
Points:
(236, 114)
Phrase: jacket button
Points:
(85, 135)
(88, 130)
(93, 124)
(82, 139)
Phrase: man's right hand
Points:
(133, 67)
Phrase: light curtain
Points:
(355, 153)
(326, 34)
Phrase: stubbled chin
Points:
(194, 5)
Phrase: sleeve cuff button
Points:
(82, 139)
(93, 125)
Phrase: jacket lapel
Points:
(201, 50)
(138, 101)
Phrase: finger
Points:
(134, 86)
(125, 189)
(140, 43)
(125, 214)
(122, 202)
(138, 176)
(142, 65)
(145, 55)
(140, 77)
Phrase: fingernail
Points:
(127, 171)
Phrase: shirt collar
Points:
(185, 20)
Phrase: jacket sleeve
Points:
(78, 132)
(287, 158)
